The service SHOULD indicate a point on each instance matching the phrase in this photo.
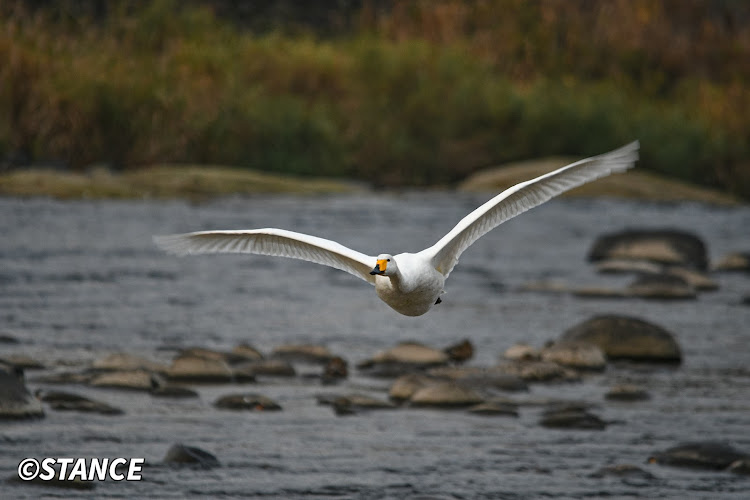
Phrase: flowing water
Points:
(80, 280)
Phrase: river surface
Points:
(82, 279)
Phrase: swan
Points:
(410, 283)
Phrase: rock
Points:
(480, 378)
(575, 354)
(336, 369)
(522, 352)
(460, 352)
(701, 454)
(173, 391)
(741, 466)
(66, 378)
(8, 338)
(22, 361)
(624, 337)
(539, 371)
(571, 418)
(303, 353)
(663, 246)
(229, 358)
(247, 351)
(624, 471)
(492, 408)
(600, 292)
(139, 380)
(354, 403)
(255, 402)
(191, 368)
(404, 387)
(123, 362)
(445, 394)
(616, 266)
(268, 368)
(735, 261)
(16, 402)
(695, 279)
(660, 286)
(66, 401)
(627, 392)
(545, 286)
(179, 454)
(404, 358)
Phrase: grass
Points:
(393, 105)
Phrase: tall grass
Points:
(161, 83)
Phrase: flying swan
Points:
(410, 283)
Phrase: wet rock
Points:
(617, 266)
(139, 380)
(702, 455)
(445, 394)
(268, 368)
(741, 466)
(627, 392)
(624, 471)
(735, 261)
(624, 337)
(404, 358)
(8, 338)
(660, 286)
(571, 418)
(601, 292)
(16, 402)
(229, 358)
(180, 454)
(480, 378)
(663, 246)
(352, 404)
(66, 378)
(173, 391)
(123, 362)
(460, 352)
(539, 371)
(336, 369)
(695, 279)
(199, 369)
(522, 352)
(575, 354)
(248, 352)
(745, 300)
(256, 402)
(22, 361)
(66, 401)
(404, 387)
(495, 408)
(303, 353)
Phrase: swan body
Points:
(410, 283)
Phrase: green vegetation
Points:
(425, 94)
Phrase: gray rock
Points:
(663, 246)
(139, 380)
(66, 401)
(522, 352)
(575, 354)
(255, 402)
(198, 369)
(173, 391)
(701, 455)
(404, 387)
(624, 337)
(741, 466)
(269, 368)
(735, 261)
(539, 371)
(624, 471)
(661, 286)
(22, 361)
(247, 351)
(352, 404)
(571, 418)
(445, 394)
(627, 392)
(476, 377)
(404, 358)
(16, 402)
(617, 266)
(179, 454)
(492, 408)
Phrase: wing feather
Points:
(271, 241)
(521, 197)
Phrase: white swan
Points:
(410, 283)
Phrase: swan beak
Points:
(379, 267)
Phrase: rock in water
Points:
(702, 454)
(575, 354)
(256, 402)
(445, 394)
(66, 401)
(16, 402)
(627, 392)
(624, 337)
(736, 261)
(663, 246)
(661, 286)
(179, 454)
(571, 418)
(191, 368)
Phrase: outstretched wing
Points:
(521, 197)
(272, 241)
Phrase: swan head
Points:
(385, 265)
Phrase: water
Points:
(79, 280)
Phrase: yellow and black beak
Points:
(380, 266)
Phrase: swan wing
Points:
(271, 241)
(515, 200)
